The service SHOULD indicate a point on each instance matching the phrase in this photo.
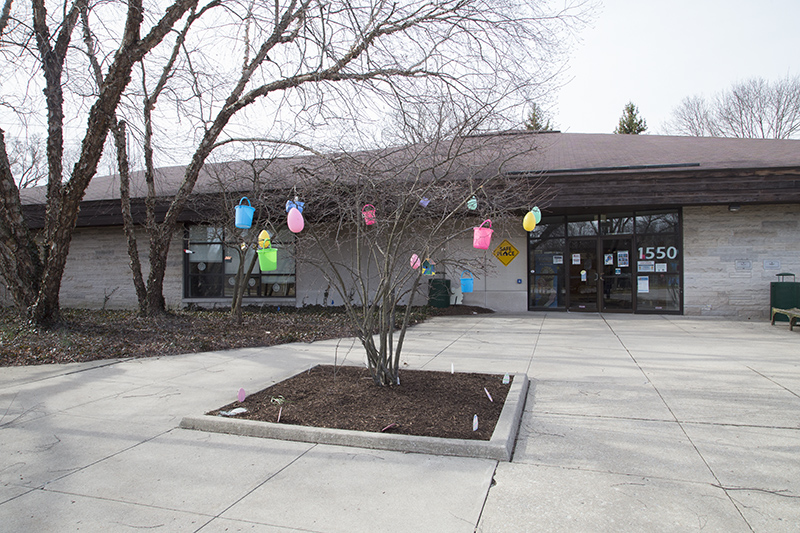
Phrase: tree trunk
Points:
(20, 264)
(155, 304)
(127, 217)
(242, 281)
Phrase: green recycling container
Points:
(439, 293)
(784, 295)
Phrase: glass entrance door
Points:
(617, 278)
(583, 274)
(600, 274)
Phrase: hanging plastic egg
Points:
(263, 239)
(295, 220)
(415, 262)
(537, 214)
(472, 203)
(529, 222)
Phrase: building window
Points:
(212, 260)
(659, 262)
(607, 262)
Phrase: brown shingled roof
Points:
(577, 152)
(556, 153)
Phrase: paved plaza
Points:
(631, 423)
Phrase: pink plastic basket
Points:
(369, 214)
(482, 237)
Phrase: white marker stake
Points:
(487, 394)
(452, 368)
(475, 423)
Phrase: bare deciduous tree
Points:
(377, 262)
(34, 279)
(754, 108)
(307, 64)
(27, 160)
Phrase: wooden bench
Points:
(792, 314)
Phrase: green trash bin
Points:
(784, 295)
(439, 293)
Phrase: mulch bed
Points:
(435, 404)
(89, 335)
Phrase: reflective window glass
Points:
(657, 222)
(582, 225)
(658, 292)
(212, 266)
(547, 265)
(549, 227)
(616, 224)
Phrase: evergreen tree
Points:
(537, 121)
(630, 122)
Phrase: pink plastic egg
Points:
(295, 220)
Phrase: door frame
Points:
(599, 305)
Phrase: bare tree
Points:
(692, 117)
(381, 223)
(35, 281)
(27, 160)
(754, 108)
(304, 64)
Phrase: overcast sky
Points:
(655, 53)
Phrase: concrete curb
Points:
(499, 447)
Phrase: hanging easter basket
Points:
(268, 259)
(467, 282)
(244, 214)
(369, 214)
(482, 236)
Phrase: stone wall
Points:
(98, 274)
(730, 258)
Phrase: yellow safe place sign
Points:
(505, 252)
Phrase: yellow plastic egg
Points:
(529, 222)
(263, 239)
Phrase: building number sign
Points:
(658, 252)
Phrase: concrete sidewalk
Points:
(632, 423)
